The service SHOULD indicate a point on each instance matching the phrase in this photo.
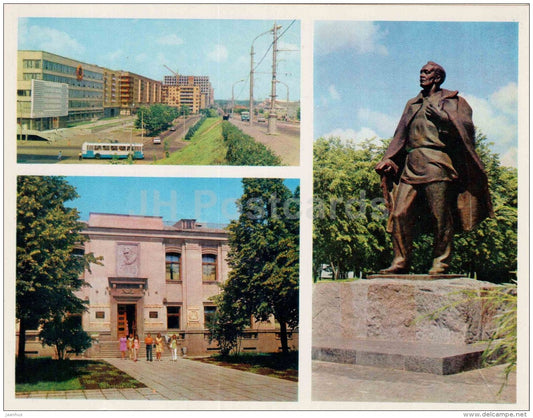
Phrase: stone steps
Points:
(441, 359)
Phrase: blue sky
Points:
(219, 49)
(204, 199)
(366, 71)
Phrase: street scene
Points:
(119, 106)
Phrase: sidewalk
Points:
(353, 383)
(186, 380)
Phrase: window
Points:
(173, 264)
(173, 317)
(209, 267)
(209, 314)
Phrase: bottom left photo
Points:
(157, 288)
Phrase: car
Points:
(261, 119)
(156, 140)
(172, 128)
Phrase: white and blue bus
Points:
(111, 150)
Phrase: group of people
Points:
(130, 344)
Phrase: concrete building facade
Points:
(206, 89)
(187, 95)
(137, 91)
(85, 86)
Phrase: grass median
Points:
(206, 147)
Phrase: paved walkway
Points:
(186, 380)
(346, 382)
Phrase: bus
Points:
(245, 116)
(111, 150)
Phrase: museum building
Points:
(157, 278)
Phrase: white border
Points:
(306, 14)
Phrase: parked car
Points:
(261, 118)
(172, 128)
(156, 140)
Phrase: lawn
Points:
(206, 147)
(45, 374)
(276, 365)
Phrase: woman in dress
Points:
(123, 346)
(129, 345)
(136, 346)
(159, 341)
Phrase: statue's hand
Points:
(386, 168)
(436, 114)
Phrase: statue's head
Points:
(432, 73)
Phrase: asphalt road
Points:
(45, 152)
(285, 143)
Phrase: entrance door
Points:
(126, 319)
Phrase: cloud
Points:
(506, 99)
(496, 117)
(218, 54)
(172, 40)
(361, 37)
(48, 39)
(333, 93)
(381, 122)
(352, 135)
(510, 158)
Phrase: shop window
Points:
(173, 266)
(209, 268)
(173, 317)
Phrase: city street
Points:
(71, 139)
(285, 143)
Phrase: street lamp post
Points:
(252, 75)
(272, 117)
(233, 96)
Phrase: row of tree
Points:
(350, 217)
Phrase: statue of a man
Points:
(431, 167)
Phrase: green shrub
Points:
(243, 150)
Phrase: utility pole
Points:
(252, 76)
(272, 115)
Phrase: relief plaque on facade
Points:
(193, 317)
(127, 260)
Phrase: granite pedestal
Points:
(422, 325)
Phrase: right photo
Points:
(415, 191)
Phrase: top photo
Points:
(158, 91)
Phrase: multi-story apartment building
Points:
(157, 278)
(206, 89)
(54, 90)
(136, 91)
(186, 95)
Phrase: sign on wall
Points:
(48, 99)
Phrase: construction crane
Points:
(172, 71)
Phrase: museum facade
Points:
(155, 278)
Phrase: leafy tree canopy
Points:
(50, 259)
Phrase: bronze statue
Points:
(431, 166)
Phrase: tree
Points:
(65, 334)
(349, 213)
(344, 178)
(155, 118)
(48, 265)
(263, 257)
